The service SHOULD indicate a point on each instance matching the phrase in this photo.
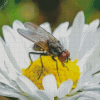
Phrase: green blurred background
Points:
(52, 11)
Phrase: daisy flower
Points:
(79, 81)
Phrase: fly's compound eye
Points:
(67, 53)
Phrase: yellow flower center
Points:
(68, 70)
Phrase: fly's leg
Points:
(30, 59)
(56, 67)
(40, 59)
(30, 56)
(65, 66)
(42, 66)
(35, 53)
(66, 61)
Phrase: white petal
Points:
(26, 43)
(9, 86)
(6, 90)
(77, 97)
(65, 40)
(95, 58)
(46, 26)
(64, 88)
(80, 54)
(26, 85)
(10, 55)
(85, 98)
(16, 47)
(96, 78)
(18, 24)
(7, 32)
(49, 84)
(76, 34)
(86, 57)
(6, 70)
(10, 70)
(8, 93)
(83, 79)
(3, 55)
(43, 95)
(89, 38)
(90, 95)
(61, 30)
(78, 23)
(85, 28)
(96, 69)
(92, 88)
(5, 79)
(34, 97)
(89, 32)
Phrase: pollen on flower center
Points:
(70, 71)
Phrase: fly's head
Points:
(64, 56)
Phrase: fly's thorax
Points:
(55, 48)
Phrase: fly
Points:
(44, 41)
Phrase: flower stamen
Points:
(50, 67)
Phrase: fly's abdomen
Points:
(37, 48)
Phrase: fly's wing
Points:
(40, 31)
(37, 35)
